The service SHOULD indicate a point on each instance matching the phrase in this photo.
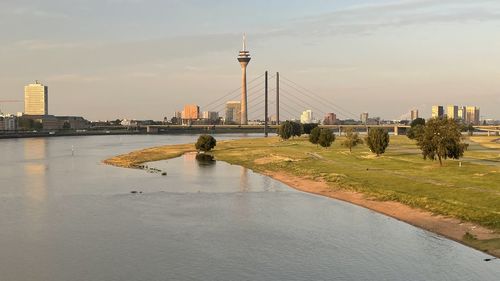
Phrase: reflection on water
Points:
(35, 169)
(204, 159)
(244, 187)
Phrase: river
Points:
(66, 216)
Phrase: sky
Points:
(145, 59)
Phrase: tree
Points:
(297, 129)
(314, 135)
(285, 131)
(377, 140)
(308, 127)
(442, 140)
(351, 139)
(205, 143)
(326, 137)
(416, 129)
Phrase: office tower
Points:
(472, 115)
(330, 119)
(437, 111)
(191, 112)
(452, 112)
(306, 117)
(364, 117)
(36, 99)
(244, 59)
(233, 112)
(462, 113)
(414, 114)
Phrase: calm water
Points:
(65, 217)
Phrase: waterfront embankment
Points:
(461, 202)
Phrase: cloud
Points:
(365, 19)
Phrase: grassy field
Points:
(470, 191)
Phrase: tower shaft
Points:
(244, 98)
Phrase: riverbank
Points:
(461, 203)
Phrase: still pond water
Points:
(69, 217)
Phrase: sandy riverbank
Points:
(449, 227)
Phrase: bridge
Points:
(212, 129)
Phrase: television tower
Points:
(244, 59)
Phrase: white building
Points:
(306, 117)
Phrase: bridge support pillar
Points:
(396, 130)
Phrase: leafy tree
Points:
(377, 140)
(297, 129)
(416, 129)
(314, 135)
(326, 137)
(285, 131)
(417, 121)
(351, 139)
(442, 139)
(205, 143)
(308, 127)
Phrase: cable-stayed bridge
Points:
(272, 99)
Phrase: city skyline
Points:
(153, 68)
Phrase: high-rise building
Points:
(191, 112)
(452, 112)
(437, 111)
(36, 99)
(306, 117)
(364, 117)
(244, 59)
(233, 112)
(472, 115)
(414, 114)
(462, 113)
(330, 119)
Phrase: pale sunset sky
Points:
(144, 59)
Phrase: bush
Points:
(314, 135)
(377, 140)
(308, 127)
(205, 143)
(297, 129)
(326, 137)
(285, 131)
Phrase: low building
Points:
(8, 122)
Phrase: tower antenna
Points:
(244, 42)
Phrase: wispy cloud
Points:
(364, 19)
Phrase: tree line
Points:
(438, 138)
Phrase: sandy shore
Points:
(448, 227)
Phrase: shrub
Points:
(205, 143)
(314, 135)
(326, 137)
